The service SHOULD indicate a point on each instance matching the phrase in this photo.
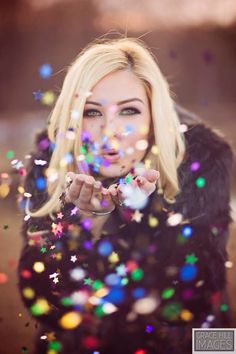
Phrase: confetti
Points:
(45, 71)
(28, 293)
(188, 272)
(105, 248)
(174, 219)
(146, 305)
(4, 190)
(39, 267)
(70, 320)
(40, 307)
(10, 154)
(3, 278)
(137, 274)
(200, 182)
(167, 293)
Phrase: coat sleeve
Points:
(55, 256)
(204, 203)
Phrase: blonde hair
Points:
(92, 64)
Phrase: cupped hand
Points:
(144, 183)
(87, 193)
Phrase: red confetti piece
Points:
(3, 278)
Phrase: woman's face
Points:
(117, 120)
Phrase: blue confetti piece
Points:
(188, 272)
(138, 293)
(105, 248)
(113, 279)
(45, 71)
(187, 231)
(40, 183)
(115, 296)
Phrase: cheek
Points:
(93, 128)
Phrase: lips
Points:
(111, 155)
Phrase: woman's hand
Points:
(87, 193)
(141, 187)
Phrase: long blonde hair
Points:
(92, 64)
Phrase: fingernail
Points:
(139, 181)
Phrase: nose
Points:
(111, 126)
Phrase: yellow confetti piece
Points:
(48, 98)
(4, 190)
(152, 221)
(38, 267)
(21, 189)
(186, 315)
(155, 150)
(113, 258)
(147, 163)
(28, 293)
(70, 320)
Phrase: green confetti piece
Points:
(99, 311)
(37, 310)
(66, 301)
(124, 281)
(200, 182)
(224, 307)
(167, 293)
(137, 274)
(54, 345)
(88, 281)
(128, 179)
(83, 150)
(10, 154)
(171, 311)
(89, 158)
(43, 249)
(97, 284)
(191, 258)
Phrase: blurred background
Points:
(195, 45)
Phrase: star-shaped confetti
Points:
(57, 229)
(88, 281)
(137, 216)
(121, 270)
(191, 258)
(60, 215)
(74, 211)
(37, 95)
(73, 258)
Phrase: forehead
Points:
(118, 86)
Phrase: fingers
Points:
(151, 175)
(86, 190)
(79, 186)
(106, 198)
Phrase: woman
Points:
(127, 213)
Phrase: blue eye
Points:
(92, 113)
(130, 111)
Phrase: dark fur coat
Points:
(178, 269)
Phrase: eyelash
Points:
(87, 112)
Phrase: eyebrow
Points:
(118, 103)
